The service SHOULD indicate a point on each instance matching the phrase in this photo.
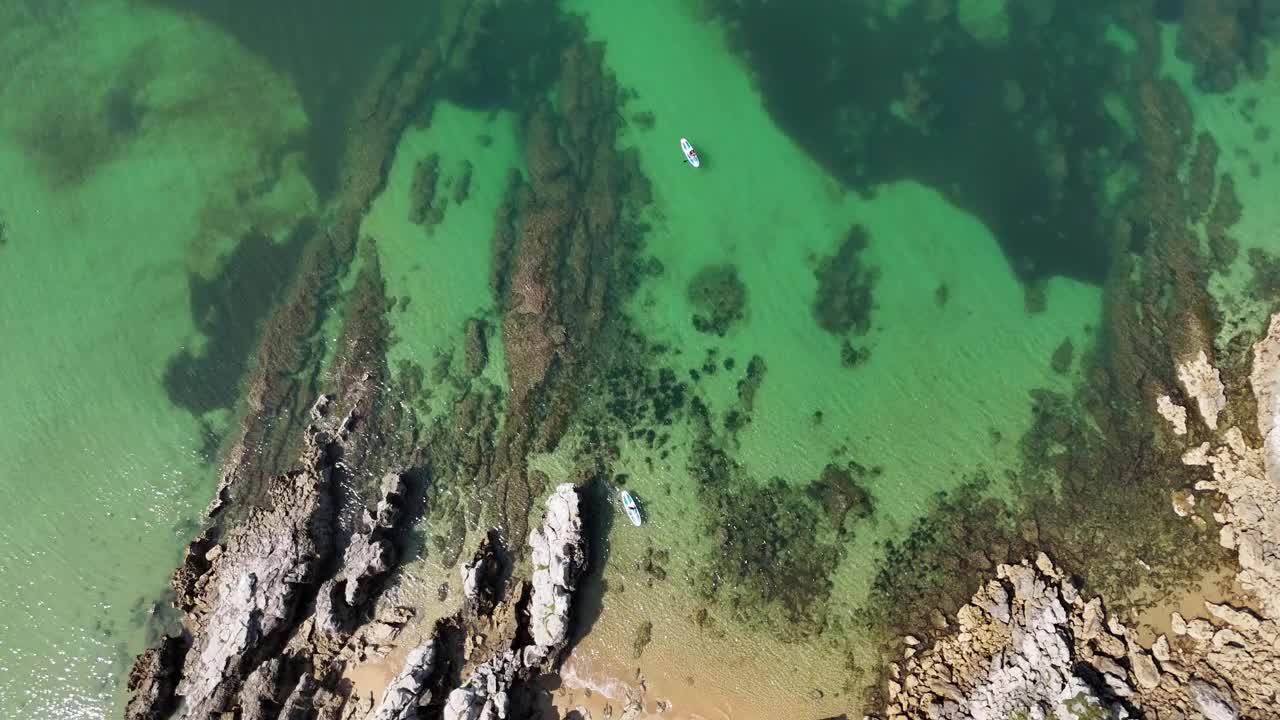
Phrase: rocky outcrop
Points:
(260, 614)
(285, 592)
(559, 559)
(369, 555)
(1029, 645)
(500, 666)
(1247, 479)
(1060, 656)
(485, 574)
(487, 694)
(153, 680)
(1265, 379)
(245, 600)
(1203, 383)
(1013, 653)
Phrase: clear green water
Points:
(140, 146)
(103, 480)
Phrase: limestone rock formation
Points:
(1029, 645)
(247, 596)
(1202, 382)
(1265, 379)
(1248, 480)
(153, 679)
(486, 695)
(409, 688)
(1013, 654)
(559, 559)
(500, 666)
(1174, 413)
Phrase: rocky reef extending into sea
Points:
(1030, 644)
(300, 581)
(294, 580)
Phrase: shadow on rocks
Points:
(597, 519)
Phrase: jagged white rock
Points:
(255, 581)
(1202, 382)
(559, 557)
(484, 696)
(401, 698)
(1018, 659)
(1174, 413)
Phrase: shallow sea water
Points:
(142, 144)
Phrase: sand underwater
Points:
(906, 323)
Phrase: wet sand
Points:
(1217, 585)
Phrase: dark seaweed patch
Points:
(939, 564)
(227, 311)
(71, 138)
(329, 48)
(426, 203)
(846, 284)
(749, 385)
(841, 492)
(829, 73)
(1264, 283)
(769, 557)
(1062, 356)
(520, 60)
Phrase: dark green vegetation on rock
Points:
(846, 284)
(775, 541)
(426, 203)
(719, 299)
(1264, 284)
(840, 491)
(643, 636)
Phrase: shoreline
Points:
(339, 636)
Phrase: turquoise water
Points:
(108, 228)
(902, 236)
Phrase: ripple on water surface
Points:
(123, 179)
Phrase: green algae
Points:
(846, 287)
(442, 280)
(719, 299)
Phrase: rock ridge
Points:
(1029, 645)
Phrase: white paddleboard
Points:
(630, 508)
(689, 154)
